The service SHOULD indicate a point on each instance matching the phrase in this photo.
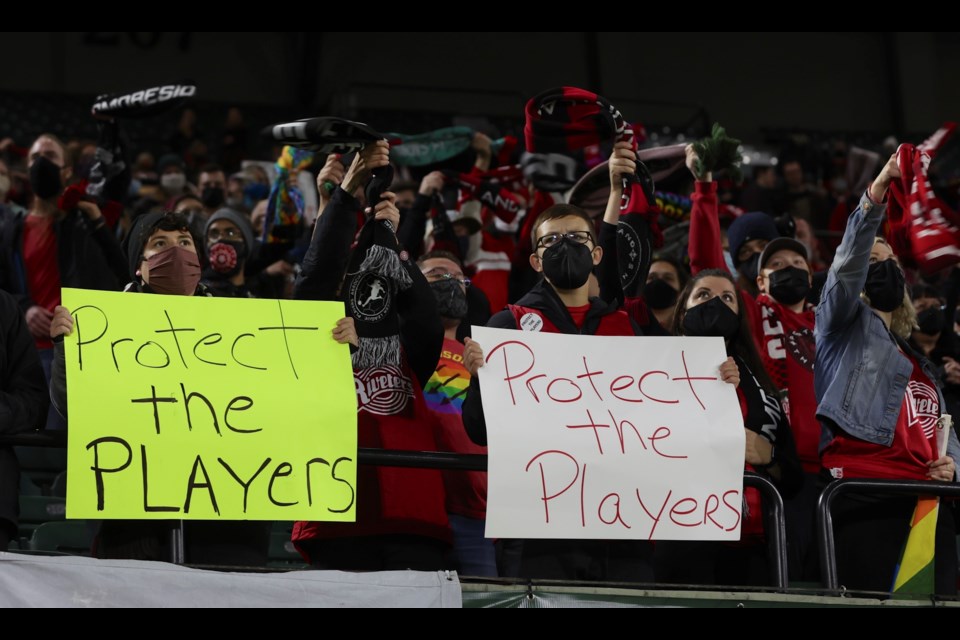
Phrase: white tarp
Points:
(610, 438)
(36, 581)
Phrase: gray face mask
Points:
(4, 187)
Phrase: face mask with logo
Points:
(659, 295)
(789, 285)
(931, 321)
(212, 197)
(174, 182)
(174, 271)
(45, 178)
(567, 264)
(451, 298)
(885, 285)
(227, 257)
(712, 318)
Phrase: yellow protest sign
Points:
(208, 409)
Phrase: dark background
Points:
(759, 85)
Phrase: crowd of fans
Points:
(841, 336)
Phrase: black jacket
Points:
(23, 399)
(544, 299)
(89, 256)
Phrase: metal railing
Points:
(774, 523)
(837, 488)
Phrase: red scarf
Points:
(567, 120)
(923, 230)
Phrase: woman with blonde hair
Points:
(878, 403)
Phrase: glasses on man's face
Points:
(226, 234)
(435, 275)
(581, 237)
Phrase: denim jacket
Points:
(860, 375)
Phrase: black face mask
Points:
(451, 298)
(749, 268)
(931, 321)
(885, 285)
(712, 318)
(790, 285)
(212, 197)
(659, 295)
(567, 264)
(45, 178)
(227, 258)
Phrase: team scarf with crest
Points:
(376, 273)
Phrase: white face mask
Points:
(173, 181)
(4, 187)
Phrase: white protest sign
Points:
(610, 438)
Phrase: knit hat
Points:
(170, 160)
(241, 221)
(140, 233)
(751, 226)
(135, 241)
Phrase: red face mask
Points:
(174, 271)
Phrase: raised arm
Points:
(413, 225)
(622, 161)
(107, 241)
(848, 273)
(326, 259)
(706, 246)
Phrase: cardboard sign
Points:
(610, 438)
(208, 409)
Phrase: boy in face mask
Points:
(565, 253)
(445, 392)
(229, 239)
(164, 259)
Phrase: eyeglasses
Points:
(581, 237)
(230, 234)
(434, 276)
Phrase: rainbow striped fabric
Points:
(915, 572)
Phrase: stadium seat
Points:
(283, 555)
(70, 537)
(42, 464)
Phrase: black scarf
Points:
(566, 120)
(764, 414)
(376, 273)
